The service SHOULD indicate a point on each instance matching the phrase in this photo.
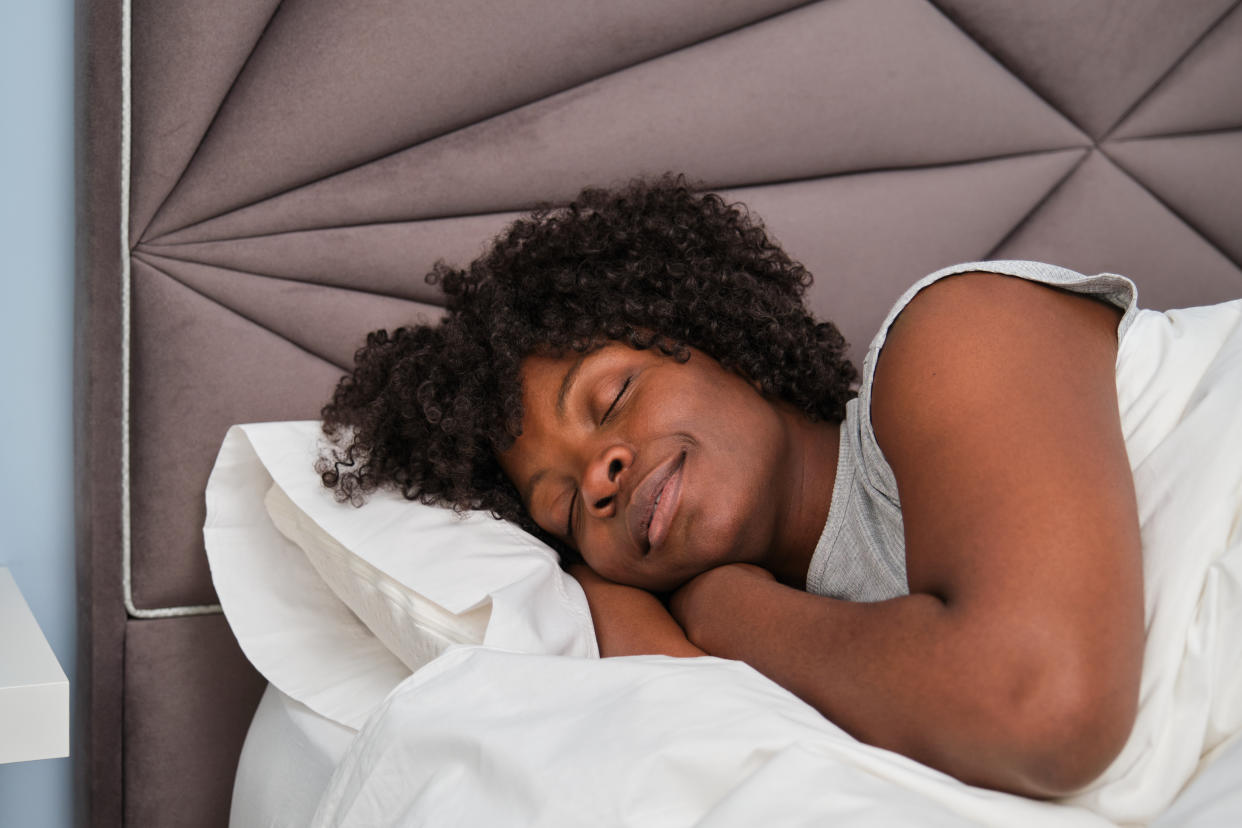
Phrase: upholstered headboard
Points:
(262, 182)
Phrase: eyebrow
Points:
(530, 487)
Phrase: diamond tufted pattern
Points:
(296, 167)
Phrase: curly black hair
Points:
(427, 408)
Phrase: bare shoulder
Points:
(983, 317)
(995, 404)
(996, 392)
(979, 350)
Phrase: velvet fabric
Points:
(189, 696)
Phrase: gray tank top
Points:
(861, 554)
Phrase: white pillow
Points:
(335, 605)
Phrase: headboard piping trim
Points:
(126, 548)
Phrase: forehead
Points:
(539, 370)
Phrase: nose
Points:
(603, 479)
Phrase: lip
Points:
(648, 521)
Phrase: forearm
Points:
(911, 675)
(631, 621)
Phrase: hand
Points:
(630, 621)
(709, 594)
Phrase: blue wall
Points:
(36, 339)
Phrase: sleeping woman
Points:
(942, 555)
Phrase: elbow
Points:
(1071, 727)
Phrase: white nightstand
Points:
(34, 693)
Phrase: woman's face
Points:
(654, 470)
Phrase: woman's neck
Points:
(814, 448)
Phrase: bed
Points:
(260, 183)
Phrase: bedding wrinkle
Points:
(1180, 388)
(336, 605)
(612, 742)
(1158, 370)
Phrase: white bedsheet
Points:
(482, 737)
(286, 763)
(291, 752)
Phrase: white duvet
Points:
(490, 738)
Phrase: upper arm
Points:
(995, 404)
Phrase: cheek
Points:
(734, 514)
(611, 557)
(720, 530)
(603, 553)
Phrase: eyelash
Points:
(573, 500)
(615, 400)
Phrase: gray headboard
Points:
(262, 182)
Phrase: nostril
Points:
(614, 468)
(603, 502)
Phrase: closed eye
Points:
(615, 400)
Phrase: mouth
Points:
(655, 502)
